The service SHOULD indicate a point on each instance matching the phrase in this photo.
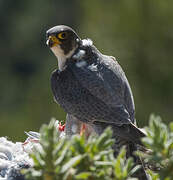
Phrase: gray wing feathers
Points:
(105, 81)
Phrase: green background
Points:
(138, 33)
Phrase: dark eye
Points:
(63, 35)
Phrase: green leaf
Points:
(73, 162)
(83, 175)
(103, 163)
(171, 126)
(62, 155)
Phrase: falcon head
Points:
(63, 41)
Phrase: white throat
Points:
(59, 53)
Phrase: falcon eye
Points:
(63, 35)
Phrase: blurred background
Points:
(138, 33)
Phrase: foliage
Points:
(93, 159)
(78, 158)
(138, 33)
(159, 141)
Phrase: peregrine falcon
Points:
(92, 87)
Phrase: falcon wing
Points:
(105, 80)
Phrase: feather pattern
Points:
(97, 93)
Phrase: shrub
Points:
(63, 159)
(59, 158)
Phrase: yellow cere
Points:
(55, 40)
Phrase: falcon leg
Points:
(83, 128)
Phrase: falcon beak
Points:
(52, 41)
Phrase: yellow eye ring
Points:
(63, 35)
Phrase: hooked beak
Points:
(52, 41)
